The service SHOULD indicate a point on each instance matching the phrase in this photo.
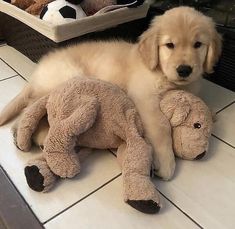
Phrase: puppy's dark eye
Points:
(170, 45)
(197, 44)
(197, 125)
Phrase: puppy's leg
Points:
(158, 131)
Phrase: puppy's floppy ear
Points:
(213, 52)
(148, 46)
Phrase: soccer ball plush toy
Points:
(61, 12)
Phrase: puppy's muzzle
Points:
(184, 70)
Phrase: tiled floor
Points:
(201, 195)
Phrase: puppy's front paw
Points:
(166, 170)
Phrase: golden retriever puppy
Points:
(176, 49)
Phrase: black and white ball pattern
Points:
(61, 12)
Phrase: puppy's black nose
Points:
(200, 156)
(184, 71)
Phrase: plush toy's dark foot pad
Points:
(34, 178)
(145, 206)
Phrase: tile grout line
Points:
(61, 212)
(26, 203)
(13, 68)
(223, 141)
(217, 112)
(188, 216)
(10, 77)
(110, 151)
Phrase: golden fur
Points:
(144, 70)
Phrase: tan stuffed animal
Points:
(190, 118)
(96, 114)
(191, 122)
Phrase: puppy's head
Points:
(183, 43)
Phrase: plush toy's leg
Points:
(41, 132)
(61, 140)
(39, 176)
(139, 191)
(29, 122)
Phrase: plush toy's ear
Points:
(148, 47)
(180, 114)
(213, 52)
(176, 108)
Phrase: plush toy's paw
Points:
(166, 170)
(141, 194)
(145, 206)
(64, 165)
(19, 141)
(34, 178)
(39, 176)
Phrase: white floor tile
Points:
(23, 65)
(9, 89)
(224, 126)
(205, 189)
(6, 71)
(105, 209)
(215, 96)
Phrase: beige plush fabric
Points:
(191, 122)
(95, 114)
(49, 178)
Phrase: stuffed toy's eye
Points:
(170, 45)
(197, 44)
(197, 125)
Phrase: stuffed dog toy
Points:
(191, 121)
(95, 114)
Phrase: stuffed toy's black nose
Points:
(200, 156)
(184, 71)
